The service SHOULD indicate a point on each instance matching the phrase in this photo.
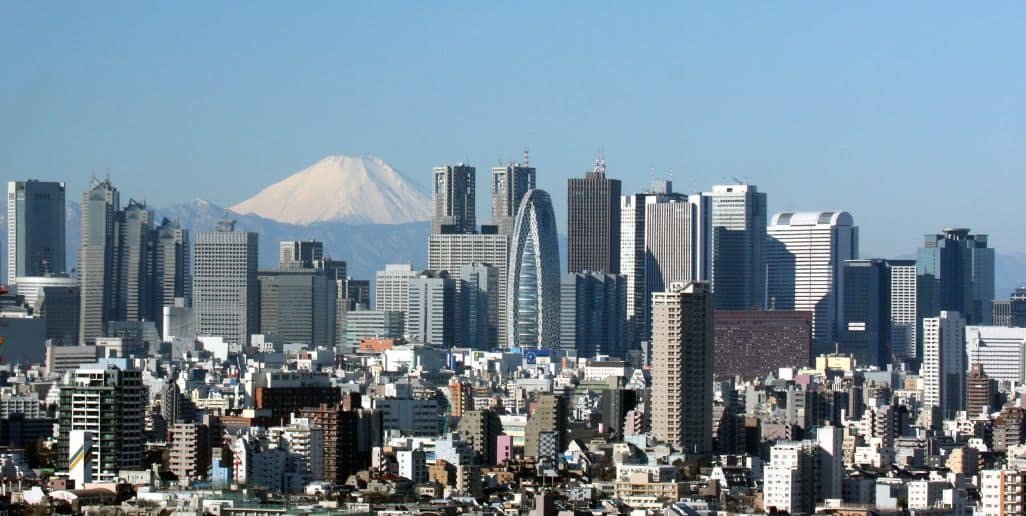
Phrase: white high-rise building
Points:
(226, 300)
(805, 254)
(678, 245)
(999, 349)
(944, 365)
(903, 308)
(632, 255)
(392, 287)
(738, 236)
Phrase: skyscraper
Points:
(944, 367)
(300, 253)
(956, 273)
(172, 264)
(865, 325)
(454, 197)
(431, 316)
(35, 229)
(225, 290)
(593, 222)
(100, 205)
(392, 287)
(478, 307)
(805, 254)
(677, 243)
(903, 310)
(510, 183)
(682, 366)
(451, 252)
(592, 313)
(532, 295)
(632, 255)
(738, 233)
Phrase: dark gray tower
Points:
(454, 196)
(35, 229)
(510, 183)
(593, 225)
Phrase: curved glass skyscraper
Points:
(533, 278)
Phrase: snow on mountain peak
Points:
(353, 189)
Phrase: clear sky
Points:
(911, 115)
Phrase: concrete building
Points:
(392, 287)
(738, 272)
(593, 222)
(453, 251)
(300, 254)
(546, 434)
(805, 254)
(107, 400)
(225, 288)
(190, 451)
(904, 309)
(477, 309)
(532, 292)
(956, 274)
(298, 305)
(454, 195)
(682, 366)
(1000, 350)
(632, 255)
(944, 362)
(100, 204)
(431, 317)
(677, 243)
(510, 183)
(35, 229)
(755, 343)
(593, 314)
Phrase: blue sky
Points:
(911, 115)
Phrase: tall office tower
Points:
(632, 255)
(454, 197)
(57, 303)
(107, 400)
(678, 246)
(593, 222)
(980, 390)
(478, 306)
(35, 229)
(738, 235)
(592, 314)
(100, 205)
(682, 366)
(226, 301)
(510, 183)
(943, 370)
(865, 329)
(431, 317)
(134, 261)
(545, 432)
(452, 251)
(904, 321)
(172, 264)
(956, 273)
(298, 305)
(302, 254)
(805, 254)
(532, 292)
(392, 287)
(1018, 308)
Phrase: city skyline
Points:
(820, 127)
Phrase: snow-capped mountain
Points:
(350, 189)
